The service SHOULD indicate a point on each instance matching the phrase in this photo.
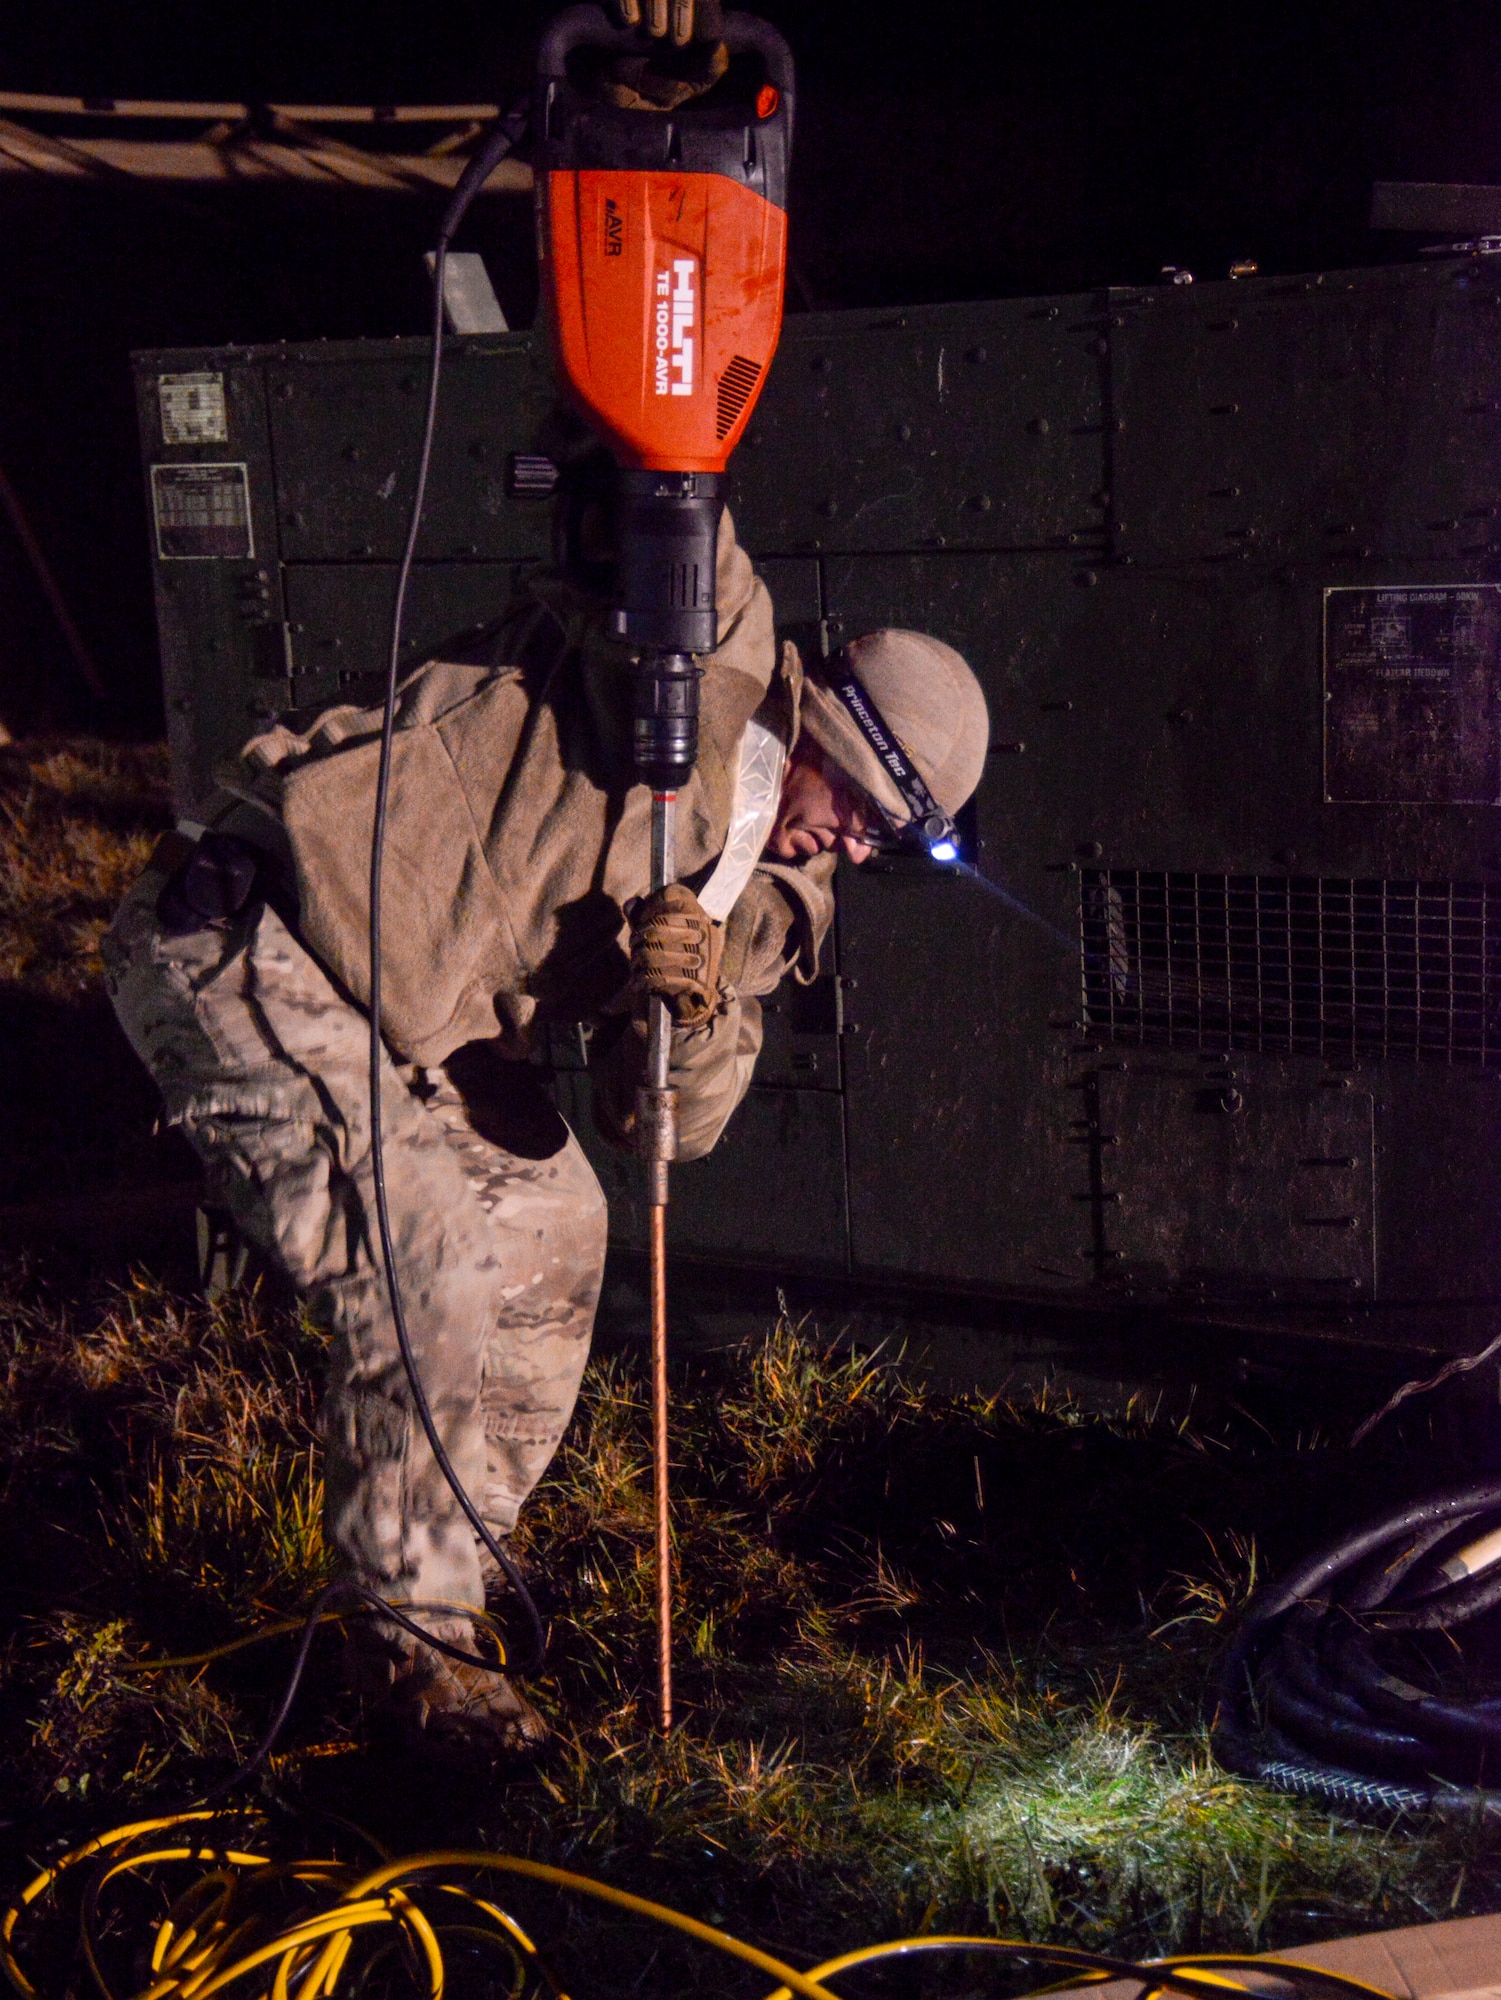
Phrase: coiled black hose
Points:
(1325, 1691)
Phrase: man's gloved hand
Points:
(682, 20)
(689, 58)
(675, 952)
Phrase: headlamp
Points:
(929, 830)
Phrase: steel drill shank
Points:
(656, 1113)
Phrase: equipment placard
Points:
(202, 511)
(1412, 694)
(193, 408)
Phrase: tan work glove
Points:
(691, 60)
(675, 951)
(680, 19)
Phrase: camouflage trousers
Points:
(499, 1238)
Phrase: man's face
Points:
(821, 809)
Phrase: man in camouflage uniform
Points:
(517, 842)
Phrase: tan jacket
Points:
(516, 836)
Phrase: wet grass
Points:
(942, 1660)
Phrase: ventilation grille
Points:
(1294, 965)
(735, 386)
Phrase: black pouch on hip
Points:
(219, 879)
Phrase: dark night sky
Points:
(954, 150)
(987, 148)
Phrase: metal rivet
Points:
(904, 433)
(828, 508)
(1039, 427)
(978, 354)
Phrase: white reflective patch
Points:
(758, 789)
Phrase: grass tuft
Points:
(78, 820)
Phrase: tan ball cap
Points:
(927, 696)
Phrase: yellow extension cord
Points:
(284, 1625)
(226, 1929)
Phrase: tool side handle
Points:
(584, 26)
(750, 32)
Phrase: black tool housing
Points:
(722, 132)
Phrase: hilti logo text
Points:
(676, 302)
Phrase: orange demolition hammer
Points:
(663, 240)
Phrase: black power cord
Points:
(500, 142)
(364, 1601)
(505, 136)
(370, 1602)
(1317, 1695)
